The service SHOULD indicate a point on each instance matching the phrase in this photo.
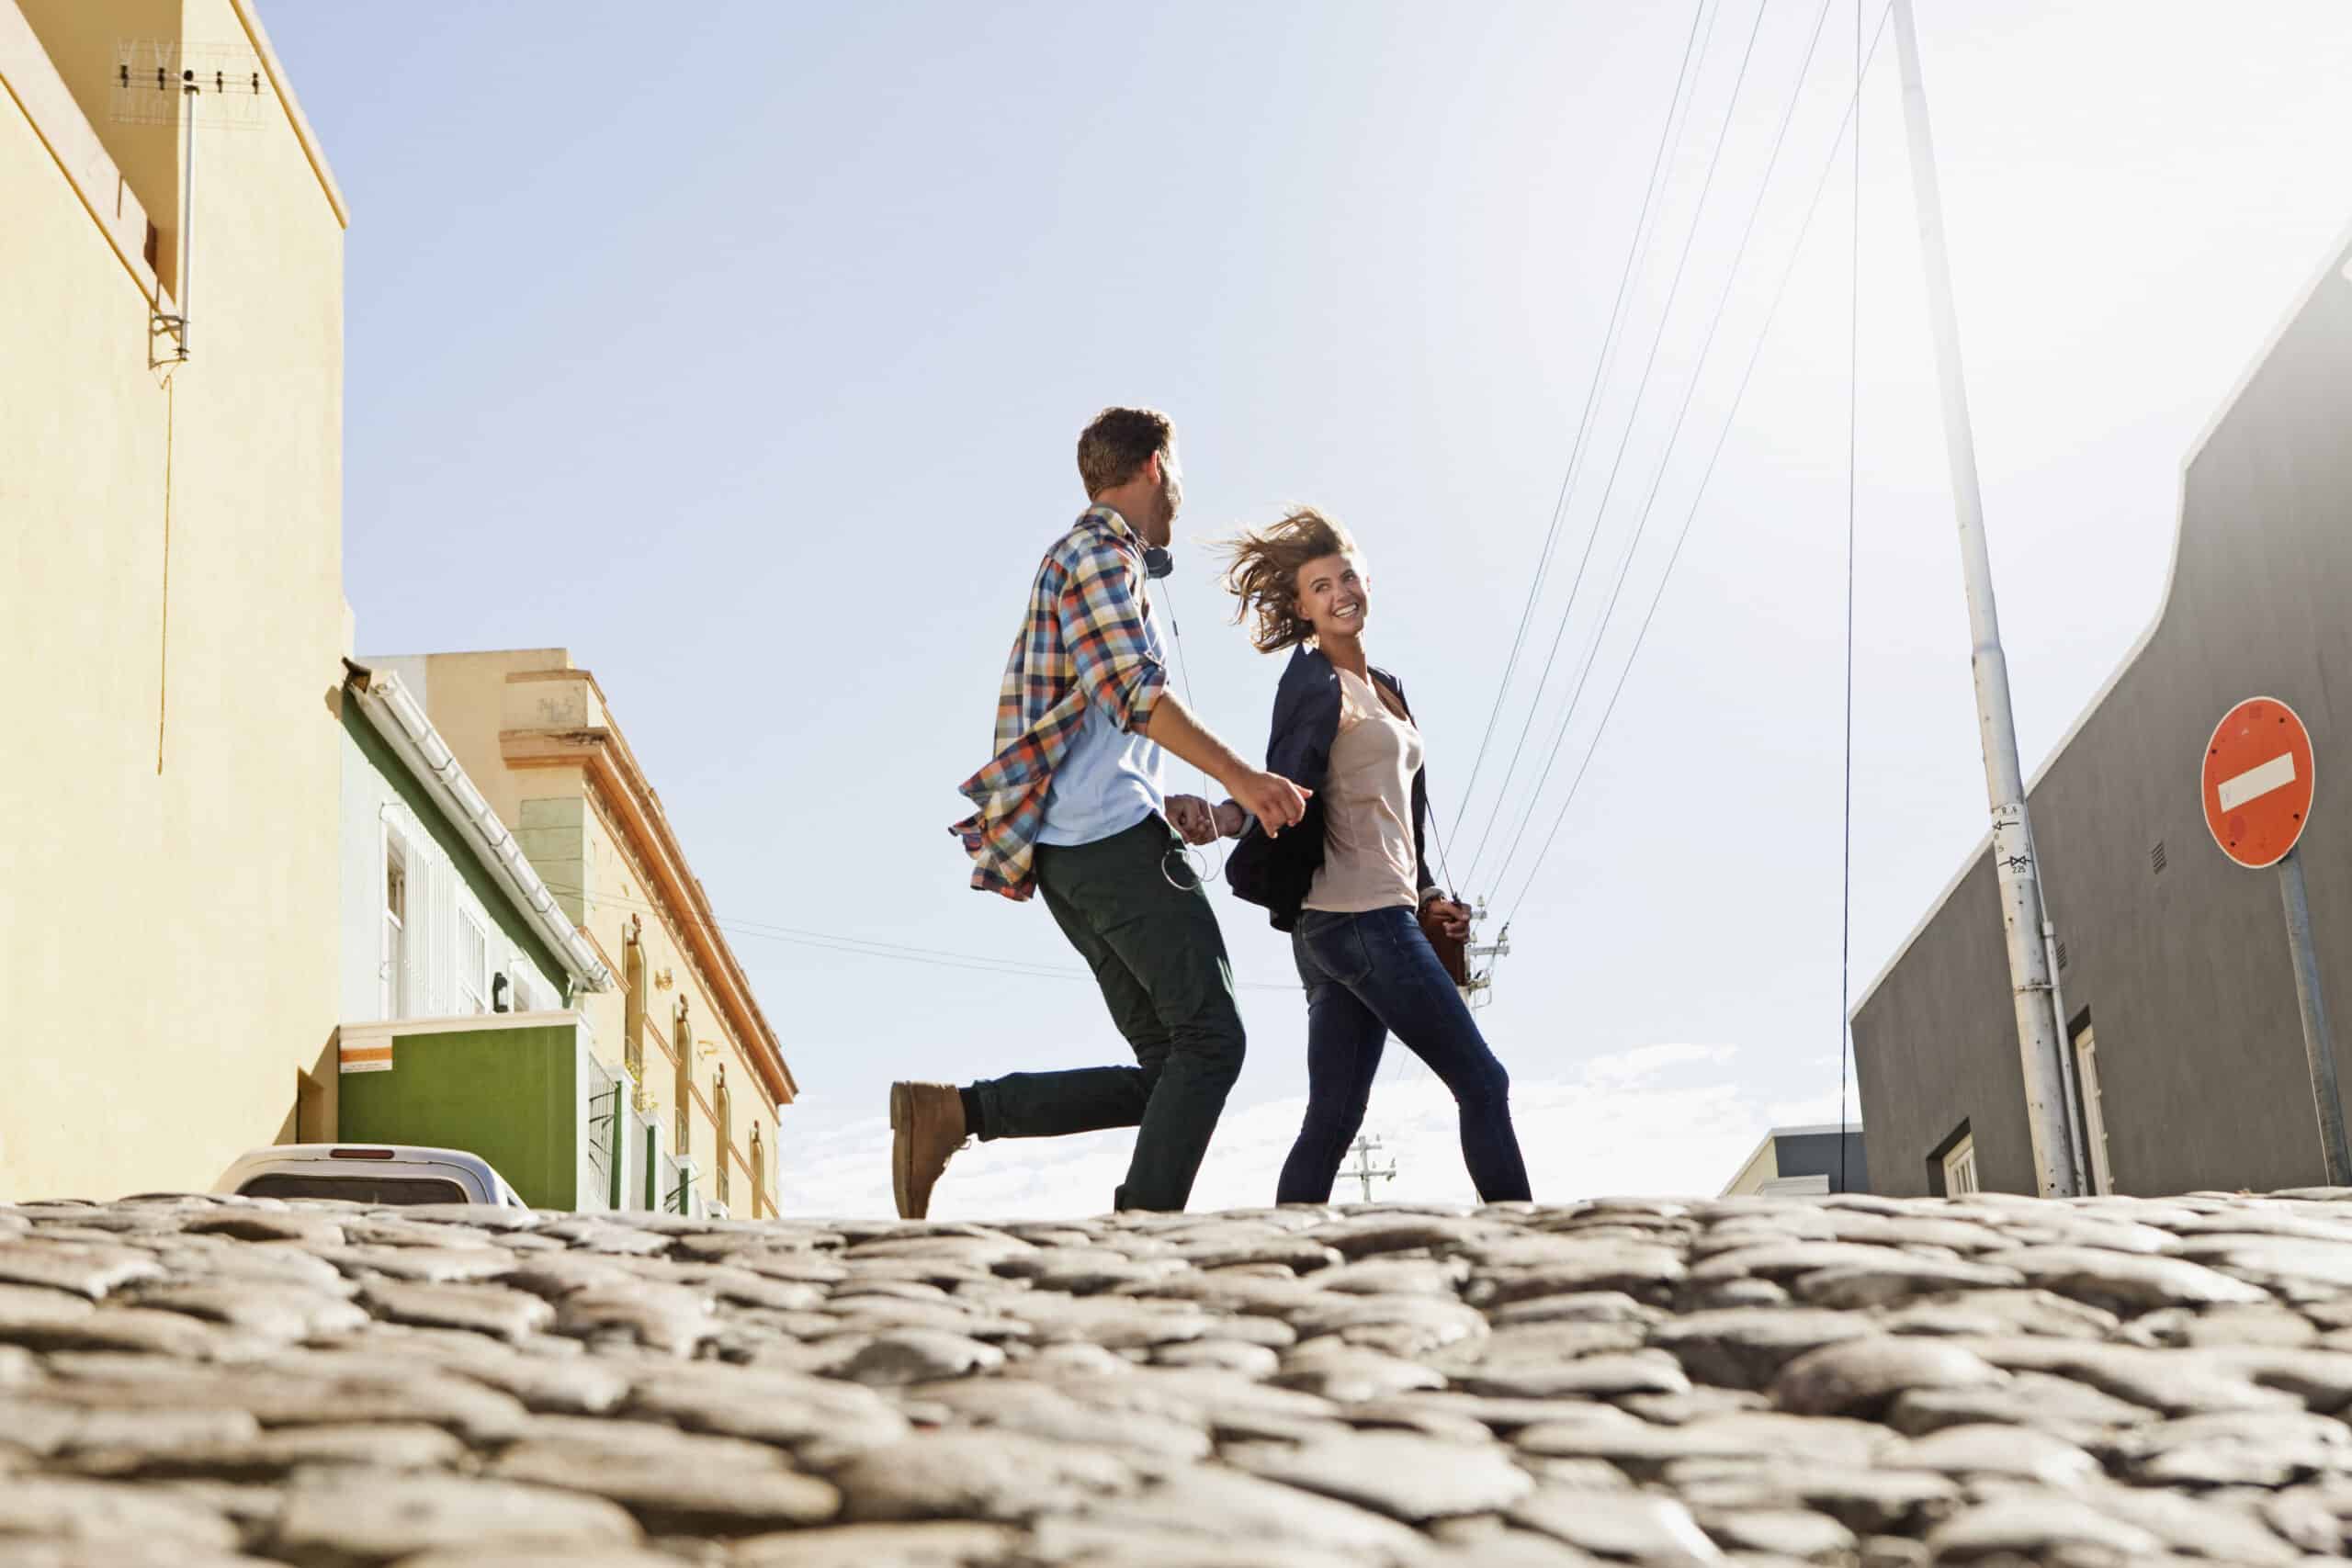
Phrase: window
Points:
(369, 1190)
(759, 1173)
(473, 964)
(681, 1092)
(2094, 1108)
(720, 1114)
(1960, 1167)
(633, 1002)
(392, 967)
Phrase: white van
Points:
(368, 1173)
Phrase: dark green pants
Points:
(1159, 958)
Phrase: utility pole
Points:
(1363, 1171)
(1480, 990)
(2041, 1047)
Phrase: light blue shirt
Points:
(1109, 780)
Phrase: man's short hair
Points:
(1119, 441)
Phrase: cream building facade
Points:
(171, 614)
(708, 1073)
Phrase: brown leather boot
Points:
(926, 1129)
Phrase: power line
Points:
(1674, 287)
(865, 947)
(1780, 293)
(1853, 416)
(1665, 456)
(1636, 247)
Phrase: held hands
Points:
(1273, 800)
(1193, 818)
(1452, 918)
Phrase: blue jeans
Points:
(1368, 975)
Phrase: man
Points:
(1072, 806)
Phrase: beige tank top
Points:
(1369, 862)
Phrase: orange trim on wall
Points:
(300, 123)
(604, 757)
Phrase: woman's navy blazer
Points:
(1278, 873)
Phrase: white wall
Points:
(438, 889)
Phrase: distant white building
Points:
(1794, 1161)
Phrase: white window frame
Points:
(1960, 1167)
(474, 934)
(394, 926)
(2094, 1109)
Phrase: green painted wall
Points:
(452, 838)
(509, 1095)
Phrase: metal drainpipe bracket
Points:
(159, 328)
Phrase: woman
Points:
(1350, 881)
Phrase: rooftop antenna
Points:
(1363, 1171)
(166, 82)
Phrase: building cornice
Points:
(605, 758)
(259, 37)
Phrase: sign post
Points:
(2258, 786)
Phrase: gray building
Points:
(2174, 968)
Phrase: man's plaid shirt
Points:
(1084, 641)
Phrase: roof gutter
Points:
(400, 720)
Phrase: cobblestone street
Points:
(200, 1382)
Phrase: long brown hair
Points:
(1263, 573)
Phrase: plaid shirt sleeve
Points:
(1085, 644)
(1102, 627)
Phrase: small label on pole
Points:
(2258, 782)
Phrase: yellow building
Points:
(171, 609)
(541, 744)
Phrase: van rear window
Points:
(357, 1189)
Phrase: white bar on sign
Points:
(2275, 773)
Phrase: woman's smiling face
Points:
(1334, 596)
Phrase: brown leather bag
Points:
(1452, 953)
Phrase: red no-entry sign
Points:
(2258, 782)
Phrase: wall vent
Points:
(2156, 858)
(2062, 955)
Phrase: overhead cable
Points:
(1853, 446)
(1698, 217)
(866, 947)
(1683, 537)
(1636, 247)
(1665, 456)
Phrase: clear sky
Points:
(741, 348)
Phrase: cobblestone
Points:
(1845, 1382)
